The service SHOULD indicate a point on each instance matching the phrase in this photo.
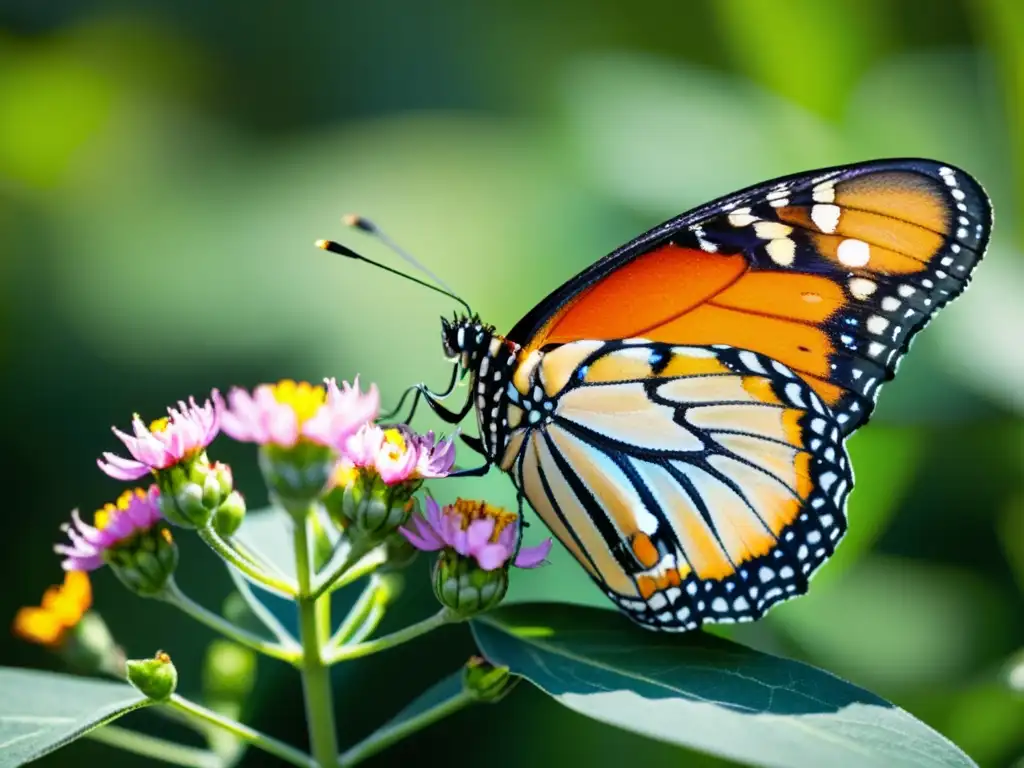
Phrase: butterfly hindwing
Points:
(697, 483)
(830, 272)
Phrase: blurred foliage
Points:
(165, 169)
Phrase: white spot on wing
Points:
(853, 253)
(825, 217)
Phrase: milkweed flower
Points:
(379, 472)
(300, 429)
(130, 537)
(282, 414)
(478, 544)
(173, 450)
(182, 434)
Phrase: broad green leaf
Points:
(706, 693)
(43, 711)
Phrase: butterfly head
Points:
(465, 339)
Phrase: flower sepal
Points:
(229, 515)
(486, 682)
(193, 490)
(461, 585)
(371, 509)
(145, 562)
(155, 678)
(296, 475)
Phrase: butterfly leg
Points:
(420, 390)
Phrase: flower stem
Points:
(359, 614)
(174, 596)
(155, 748)
(316, 679)
(260, 610)
(354, 563)
(222, 548)
(259, 740)
(389, 735)
(357, 650)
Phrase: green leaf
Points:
(706, 693)
(268, 533)
(43, 711)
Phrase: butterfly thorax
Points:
(491, 362)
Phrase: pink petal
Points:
(434, 515)
(420, 541)
(121, 469)
(479, 533)
(492, 556)
(531, 557)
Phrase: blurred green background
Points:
(166, 167)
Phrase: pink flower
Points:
(282, 414)
(345, 411)
(183, 433)
(136, 510)
(473, 529)
(398, 454)
(436, 457)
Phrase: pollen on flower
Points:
(103, 516)
(159, 425)
(469, 510)
(60, 610)
(302, 397)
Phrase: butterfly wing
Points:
(693, 483)
(830, 272)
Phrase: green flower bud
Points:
(155, 678)
(192, 491)
(372, 510)
(146, 561)
(297, 475)
(229, 515)
(462, 585)
(486, 682)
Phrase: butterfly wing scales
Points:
(682, 477)
(831, 273)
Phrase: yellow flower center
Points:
(470, 510)
(345, 475)
(394, 443)
(159, 425)
(103, 516)
(301, 397)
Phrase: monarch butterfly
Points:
(676, 413)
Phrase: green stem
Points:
(251, 736)
(357, 650)
(387, 736)
(155, 748)
(356, 562)
(357, 615)
(222, 548)
(174, 596)
(316, 678)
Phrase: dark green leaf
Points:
(42, 711)
(706, 693)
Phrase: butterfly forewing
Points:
(830, 272)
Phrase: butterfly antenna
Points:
(365, 225)
(342, 250)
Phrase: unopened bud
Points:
(373, 510)
(462, 585)
(145, 562)
(229, 515)
(155, 678)
(485, 681)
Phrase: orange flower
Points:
(59, 611)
